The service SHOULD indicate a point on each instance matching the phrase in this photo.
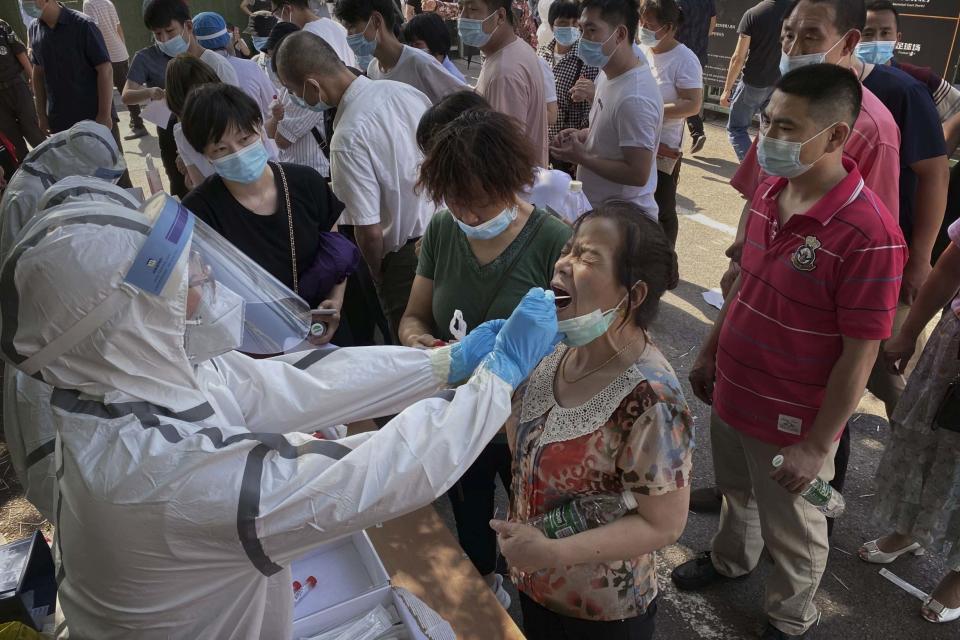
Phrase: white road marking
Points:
(694, 609)
(707, 221)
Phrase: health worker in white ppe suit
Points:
(80, 163)
(185, 487)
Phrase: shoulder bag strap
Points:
(293, 243)
(510, 267)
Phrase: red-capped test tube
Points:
(300, 590)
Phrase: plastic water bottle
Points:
(820, 494)
(153, 176)
(576, 203)
(584, 513)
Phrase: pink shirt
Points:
(826, 274)
(874, 145)
(512, 82)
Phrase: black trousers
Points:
(840, 462)
(473, 505)
(168, 155)
(539, 623)
(666, 197)
(120, 70)
(18, 117)
(124, 180)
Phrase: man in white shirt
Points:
(617, 153)
(374, 159)
(212, 33)
(300, 13)
(370, 25)
(511, 78)
(105, 15)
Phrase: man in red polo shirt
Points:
(791, 351)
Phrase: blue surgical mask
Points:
(30, 8)
(320, 107)
(566, 36)
(781, 158)
(587, 328)
(472, 33)
(362, 47)
(879, 52)
(592, 52)
(244, 166)
(174, 46)
(649, 38)
(491, 228)
(260, 42)
(788, 63)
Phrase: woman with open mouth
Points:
(601, 420)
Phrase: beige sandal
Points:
(870, 552)
(933, 611)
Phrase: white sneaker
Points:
(502, 596)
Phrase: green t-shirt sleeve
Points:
(427, 262)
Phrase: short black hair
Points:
(833, 93)
(847, 14)
(351, 11)
(304, 52)
(158, 14)
(446, 111)
(563, 10)
(300, 4)
(280, 31)
(667, 11)
(616, 13)
(885, 5)
(430, 28)
(212, 109)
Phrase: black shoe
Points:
(772, 633)
(706, 500)
(136, 132)
(696, 146)
(697, 574)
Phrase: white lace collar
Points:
(565, 423)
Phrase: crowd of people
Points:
(341, 155)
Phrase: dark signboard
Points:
(930, 28)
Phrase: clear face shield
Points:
(232, 302)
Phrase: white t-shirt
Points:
(549, 81)
(375, 160)
(678, 68)
(627, 112)
(220, 67)
(418, 69)
(336, 36)
(254, 83)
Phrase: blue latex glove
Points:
(529, 335)
(466, 355)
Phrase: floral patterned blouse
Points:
(636, 434)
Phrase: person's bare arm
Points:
(370, 240)
(135, 93)
(688, 103)
(633, 170)
(737, 60)
(658, 522)
(123, 37)
(105, 94)
(951, 133)
(703, 373)
(845, 385)
(713, 25)
(933, 180)
(416, 325)
(553, 113)
(245, 7)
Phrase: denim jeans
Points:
(747, 101)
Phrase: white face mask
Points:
(588, 327)
(217, 327)
(782, 158)
(788, 63)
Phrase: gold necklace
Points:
(563, 364)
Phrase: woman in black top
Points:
(247, 200)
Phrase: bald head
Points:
(304, 54)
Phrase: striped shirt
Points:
(874, 145)
(831, 272)
(297, 128)
(105, 15)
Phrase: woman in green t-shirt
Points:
(479, 256)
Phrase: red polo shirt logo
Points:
(805, 257)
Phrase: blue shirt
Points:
(69, 53)
(695, 29)
(921, 134)
(149, 67)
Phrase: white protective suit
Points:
(184, 492)
(66, 161)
